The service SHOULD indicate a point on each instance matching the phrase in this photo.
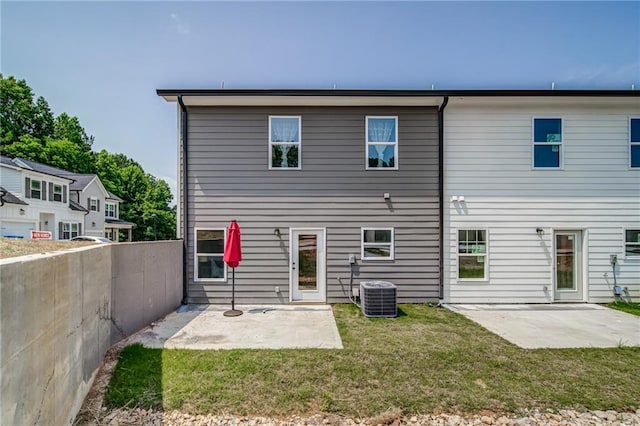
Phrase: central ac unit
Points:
(379, 299)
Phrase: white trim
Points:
(392, 248)
(195, 254)
(66, 222)
(91, 200)
(54, 192)
(321, 267)
(580, 256)
(299, 143)
(486, 255)
(534, 143)
(367, 143)
(636, 143)
(624, 242)
(106, 210)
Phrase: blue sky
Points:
(102, 61)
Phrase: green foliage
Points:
(628, 307)
(29, 130)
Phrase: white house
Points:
(33, 200)
(541, 197)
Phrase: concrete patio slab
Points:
(259, 327)
(556, 326)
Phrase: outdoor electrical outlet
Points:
(613, 259)
(356, 292)
(352, 259)
(277, 289)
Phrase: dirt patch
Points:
(13, 247)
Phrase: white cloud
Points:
(180, 24)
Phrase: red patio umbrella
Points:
(233, 257)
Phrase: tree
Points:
(69, 128)
(16, 109)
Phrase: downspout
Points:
(185, 203)
(441, 190)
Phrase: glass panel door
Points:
(567, 263)
(307, 265)
(307, 262)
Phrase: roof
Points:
(21, 163)
(77, 207)
(81, 181)
(119, 223)
(113, 196)
(8, 198)
(349, 97)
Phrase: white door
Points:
(307, 270)
(568, 267)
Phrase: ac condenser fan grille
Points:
(379, 299)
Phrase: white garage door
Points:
(16, 229)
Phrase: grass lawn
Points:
(631, 308)
(425, 360)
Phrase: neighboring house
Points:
(313, 179)
(34, 200)
(540, 190)
(87, 194)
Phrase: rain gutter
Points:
(185, 201)
(441, 191)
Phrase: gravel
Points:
(564, 417)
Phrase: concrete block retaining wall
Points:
(60, 313)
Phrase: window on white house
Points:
(285, 142)
(110, 210)
(382, 142)
(93, 204)
(472, 254)
(57, 192)
(36, 189)
(209, 265)
(634, 143)
(632, 243)
(377, 244)
(69, 230)
(547, 143)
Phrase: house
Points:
(327, 186)
(461, 195)
(541, 190)
(85, 193)
(34, 200)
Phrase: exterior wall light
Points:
(540, 232)
(276, 232)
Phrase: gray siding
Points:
(229, 179)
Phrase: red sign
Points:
(41, 235)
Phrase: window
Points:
(377, 244)
(36, 189)
(634, 143)
(57, 192)
(69, 230)
(632, 243)
(472, 251)
(284, 142)
(547, 143)
(110, 210)
(382, 142)
(209, 265)
(93, 204)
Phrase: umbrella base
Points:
(232, 313)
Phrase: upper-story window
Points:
(110, 210)
(634, 143)
(94, 204)
(285, 142)
(57, 192)
(36, 189)
(547, 143)
(382, 143)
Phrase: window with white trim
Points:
(285, 142)
(209, 265)
(547, 143)
(57, 192)
(36, 189)
(69, 230)
(377, 244)
(110, 210)
(472, 254)
(634, 143)
(382, 142)
(632, 243)
(93, 204)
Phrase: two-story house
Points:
(328, 187)
(85, 193)
(462, 195)
(34, 200)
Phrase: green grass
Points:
(630, 308)
(424, 360)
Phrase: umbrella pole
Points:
(233, 312)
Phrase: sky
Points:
(103, 61)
